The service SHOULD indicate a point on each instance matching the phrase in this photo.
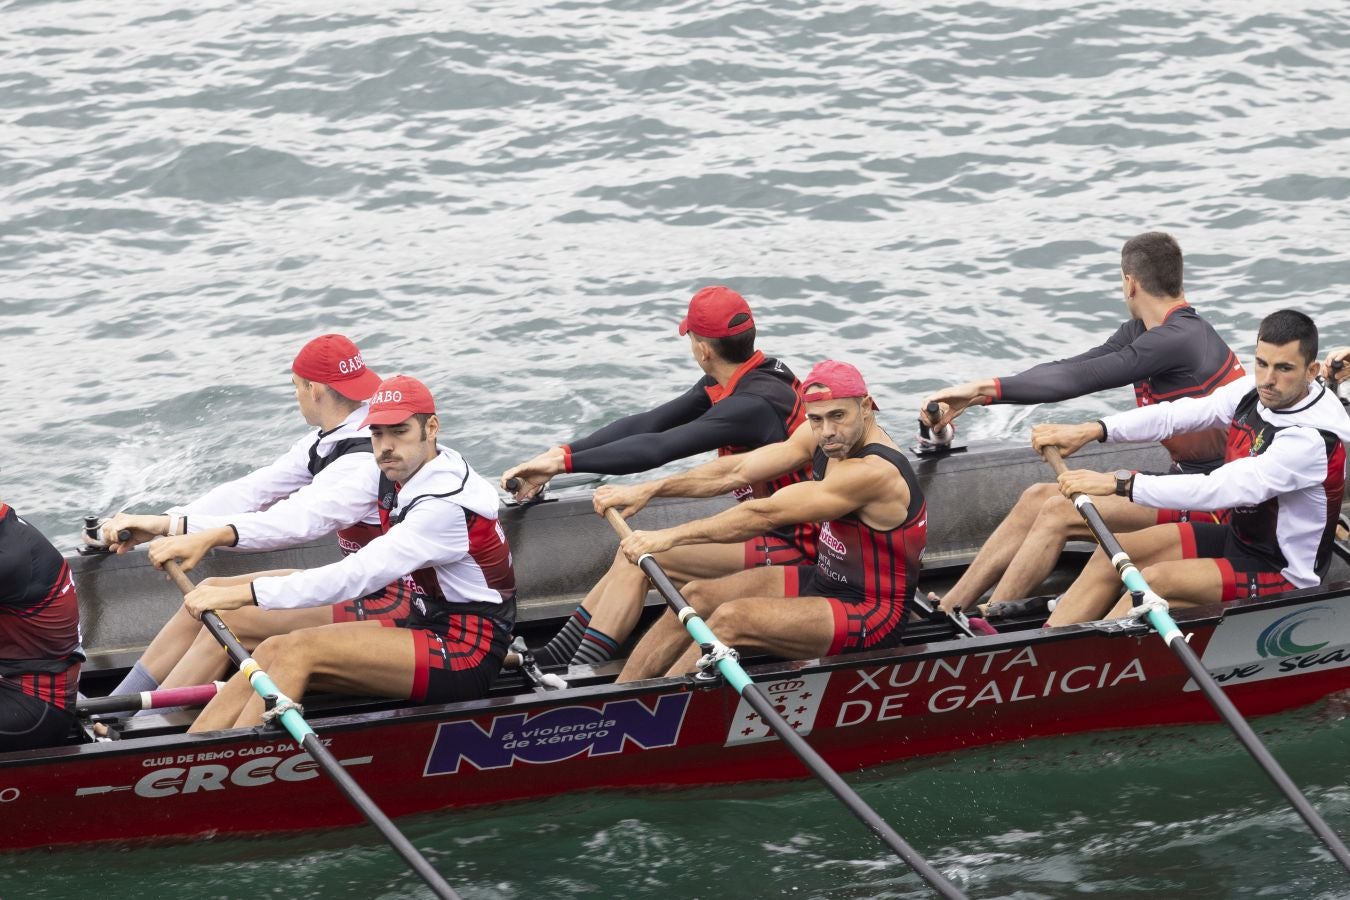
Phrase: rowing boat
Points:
(935, 694)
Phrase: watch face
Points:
(1123, 474)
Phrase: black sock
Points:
(596, 647)
(559, 650)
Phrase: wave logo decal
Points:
(1277, 639)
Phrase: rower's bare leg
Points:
(1058, 523)
(169, 645)
(346, 657)
(206, 661)
(788, 627)
(1096, 591)
(617, 608)
(999, 549)
(223, 710)
(667, 639)
(176, 636)
(1183, 583)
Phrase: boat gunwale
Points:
(1195, 618)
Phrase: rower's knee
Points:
(1056, 513)
(728, 624)
(1035, 496)
(1159, 579)
(280, 648)
(698, 594)
(621, 567)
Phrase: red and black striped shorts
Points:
(457, 662)
(862, 623)
(773, 550)
(393, 603)
(1243, 576)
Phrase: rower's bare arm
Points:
(850, 485)
(211, 597)
(740, 470)
(954, 400)
(535, 473)
(1342, 356)
(1067, 438)
(714, 478)
(188, 549)
(1086, 481)
(142, 528)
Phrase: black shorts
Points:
(27, 722)
(1244, 575)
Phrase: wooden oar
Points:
(735, 675)
(299, 729)
(1167, 629)
(194, 695)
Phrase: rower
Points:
(873, 532)
(324, 483)
(1284, 470)
(40, 651)
(1336, 371)
(1167, 351)
(440, 535)
(743, 401)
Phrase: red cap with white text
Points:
(717, 312)
(398, 399)
(834, 380)
(333, 360)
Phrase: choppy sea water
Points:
(514, 201)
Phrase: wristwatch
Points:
(1124, 483)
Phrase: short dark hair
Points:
(1287, 325)
(343, 402)
(422, 419)
(1154, 259)
(738, 347)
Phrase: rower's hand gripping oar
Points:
(1167, 629)
(731, 670)
(299, 729)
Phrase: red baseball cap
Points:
(712, 311)
(837, 381)
(333, 360)
(398, 399)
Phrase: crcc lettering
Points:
(262, 770)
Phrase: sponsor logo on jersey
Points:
(827, 537)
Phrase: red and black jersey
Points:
(866, 565)
(1287, 527)
(40, 651)
(765, 378)
(1183, 356)
(758, 406)
(487, 547)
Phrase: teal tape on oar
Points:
(298, 728)
(759, 701)
(1163, 623)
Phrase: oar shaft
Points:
(1168, 630)
(736, 676)
(304, 736)
(192, 695)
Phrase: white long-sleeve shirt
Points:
(283, 504)
(433, 534)
(1283, 479)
